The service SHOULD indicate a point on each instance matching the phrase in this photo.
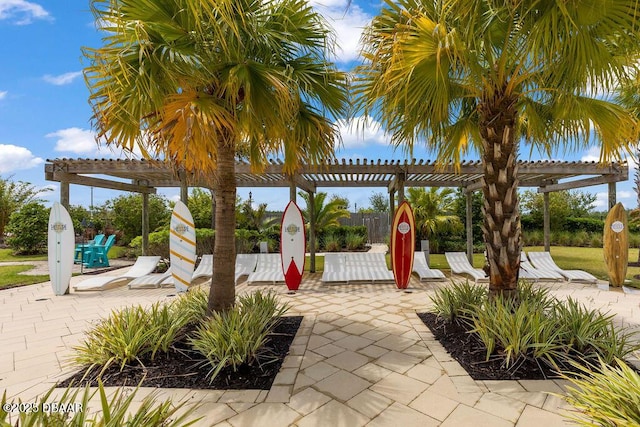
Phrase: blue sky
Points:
(44, 112)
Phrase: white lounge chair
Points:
(460, 265)
(245, 264)
(268, 270)
(539, 273)
(544, 261)
(153, 280)
(356, 267)
(423, 270)
(144, 265)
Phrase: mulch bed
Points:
(183, 367)
(471, 353)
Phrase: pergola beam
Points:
(586, 182)
(98, 182)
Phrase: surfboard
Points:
(292, 245)
(616, 244)
(61, 243)
(182, 246)
(403, 242)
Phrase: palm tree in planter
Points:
(434, 211)
(194, 82)
(487, 75)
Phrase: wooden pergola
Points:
(145, 176)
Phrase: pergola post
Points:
(292, 191)
(469, 225)
(612, 194)
(312, 231)
(546, 226)
(64, 194)
(145, 223)
(392, 204)
(184, 192)
(400, 180)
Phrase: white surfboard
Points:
(61, 244)
(182, 246)
(292, 245)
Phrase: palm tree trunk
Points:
(501, 226)
(223, 291)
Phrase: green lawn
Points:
(7, 255)
(10, 277)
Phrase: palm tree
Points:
(194, 82)
(326, 215)
(434, 210)
(485, 75)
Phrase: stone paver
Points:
(361, 357)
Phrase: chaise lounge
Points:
(460, 265)
(543, 260)
(422, 269)
(144, 265)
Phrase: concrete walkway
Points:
(361, 357)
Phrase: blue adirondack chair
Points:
(97, 256)
(82, 249)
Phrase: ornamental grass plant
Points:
(535, 325)
(130, 334)
(121, 409)
(236, 337)
(609, 396)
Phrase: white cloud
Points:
(361, 133)
(75, 140)
(15, 158)
(348, 24)
(591, 155)
(62, 79)
(22, 12)
(3, 94)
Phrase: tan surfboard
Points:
(616, 244)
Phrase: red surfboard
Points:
(292, 245)
(403, 241)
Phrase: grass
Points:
(7, 255)
(10, 277)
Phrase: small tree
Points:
(27, 229)
(14, 195)
(378, 202)
(127, 214)
(201, 208)
(326, 215)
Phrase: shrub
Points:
(591, 225)
(128, 334)
(581, 238)
(354, 241)
(159, 243)
(451, 302)
(634, 240)
(596, 241)
(608, 397)
(235, 337)
(27, 229)
(119, 411)
(534, 324)
(331, 243)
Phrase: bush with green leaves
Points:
(27, 229)
(453, 301)
(354, 241)
(535, 325)
(235, 337)
(607, 396)
(159, 243)
(120, 410)
(130, 333)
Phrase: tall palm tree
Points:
(434, 210)
(486, 75)
(194, 82)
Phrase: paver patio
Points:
(361, 357)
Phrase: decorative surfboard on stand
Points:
(292, 245)
(61, 243)
(403, 243)
(616, 244)
(182, 246)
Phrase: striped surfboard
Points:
(182, 246)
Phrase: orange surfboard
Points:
(403, 242)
